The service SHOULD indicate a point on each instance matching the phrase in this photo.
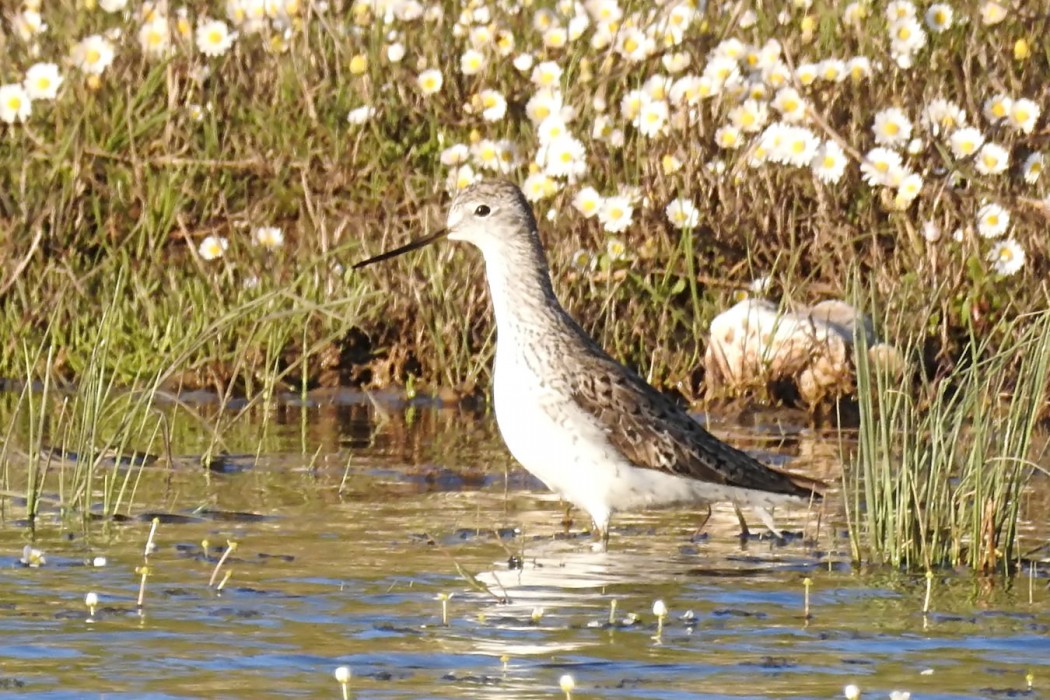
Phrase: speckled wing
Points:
(654, 433)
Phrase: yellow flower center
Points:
(892, 129)
(92, 56)
(630, 45)
(214, 37)
(14, 103)
(829, 162)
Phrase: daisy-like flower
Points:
(807, 73)
(456, 154)
(906, 36)
(395, 52)
(493, 105)
(908, 189)
(631, 104)
(616, 250)
(652, 118)
(472, 62)
(584, 260)
(859, 68)
(899, 9)
(214, 37)
(551, 128)
(939, 17)
(270, 237)
(797, 147)
(942, 116)
(616, 213)
(42, 81)
(486, 154)
(880, 167)
(833, 70)
(556, 37)
(992, 13)
(721, 70)
(522, 62)
(682, 214)
(1024, 113)
(430, 81)
(563, 157)
(112, 5)
(461, 178)
(588, 202)
(155, 36)
(750, 116)
(27, 24)
(728, 137)
(213, 247)
(15, 103)
(992, 159)
(829, 163)
(93, 54)
(544, 103)
(997, 108)
(676, 62)
(992, 220)
(634, 44)
(1007, 257)
(931, 231)
(539, 186)
(1033, 168)
(790, 104)
(361, 115)
(965, 142)
(891, 128)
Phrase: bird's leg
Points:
(745, 533)
(566, 521)
(703, 523)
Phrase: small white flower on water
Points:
(213, 247)
(361, 115)
(1007, 257)
(851, 692)
(992, 220)
(91, 599)
(32, 557)
(660, 609)
(99, 562)
(567, 683)
(682, 214)
(342, 674)
(900, 695)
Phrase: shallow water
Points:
(356, 516)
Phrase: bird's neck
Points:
(522, 296)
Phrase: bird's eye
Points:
(482, 210)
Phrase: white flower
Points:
(461, 178)
(881, 166)
(455, 154)
(942, 116)
(538, 186)
(93, 54)
(891, 127)
(214, 37)
(906, 36)
(1007, 257)
(395, 52)
(728, 137)
(213, 247)
(15, 103)
(992, 13)
(472, 62)
(544, 103)
(42, 81)
(486, 154)
(27, 24)
(676, 62)
(931, 231)
(268, 237)
(790, 104)
(682, 214)
(546, 75)
(522, 62)
(859, 67)
(997, 108)
(899, 9)
(829, 163)
(563, 157)
(807, 73)
(992, 159)
(430, 81)
(112, 5)
(587, 201)
(556, 37)
(965, 142)
(750, 116)
(494, 105)
(361, 115)
(1023, 115)
(939, 17)
(992, 220)
(1033, 168)
(909, 188)
(155, 36)
(832, 70)
(797, 146)
(615, 213)
(652, 118)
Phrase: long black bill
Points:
(408, 247)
